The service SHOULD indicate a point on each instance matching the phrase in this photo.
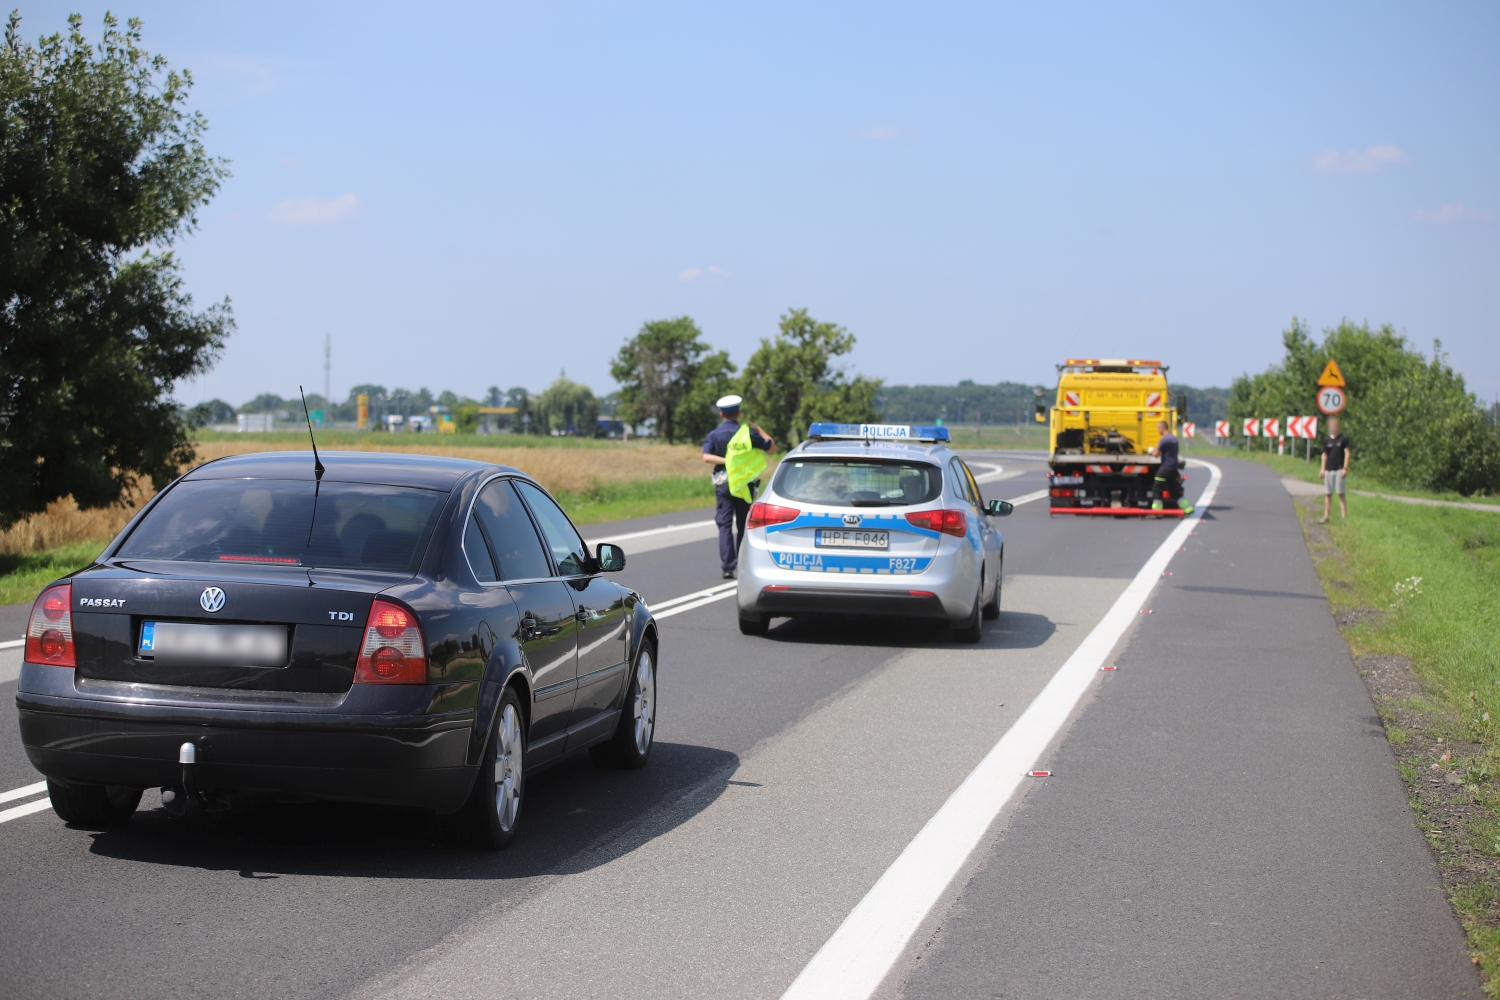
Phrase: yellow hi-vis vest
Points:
(743, 462)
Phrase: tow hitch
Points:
(190, 798)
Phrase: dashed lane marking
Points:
(23, 793)
(6, 815)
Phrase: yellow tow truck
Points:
(1103, 425)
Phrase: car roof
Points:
(428, 472)
(934, 451)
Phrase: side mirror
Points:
(998, 508)
(611, 557)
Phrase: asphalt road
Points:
(1224, 818)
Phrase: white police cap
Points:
(730, 403)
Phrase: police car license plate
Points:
(839, 539)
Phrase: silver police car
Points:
(872, 519)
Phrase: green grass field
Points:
(335, 439)
(23, 575)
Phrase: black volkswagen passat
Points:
(399, 629)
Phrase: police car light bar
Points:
(876, 432)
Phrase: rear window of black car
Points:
(289, 522)
(848, 482)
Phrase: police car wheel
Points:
(971, 629)
(992, 608)
(754, 624)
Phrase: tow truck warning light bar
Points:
(1110, 363)
(876, 432)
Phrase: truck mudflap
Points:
(1118, 511)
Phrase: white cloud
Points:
(315, 211)
(883, 133)
(1456, 212)
(1358, 161)
(711, 273)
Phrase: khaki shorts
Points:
(1333, 482)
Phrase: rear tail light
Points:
(921, 593)
(1061, 493)
(49, 634)
(393, 652)
(762, 514)
(949, 522)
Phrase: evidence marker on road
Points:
(1038, 774)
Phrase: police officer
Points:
(730, 511)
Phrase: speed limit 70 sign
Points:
(1331, 399)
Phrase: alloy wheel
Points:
(645, 701)
(508, 753)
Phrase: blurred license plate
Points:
(175, 644)
(838, 539)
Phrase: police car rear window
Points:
(848, 482)
(289, 523)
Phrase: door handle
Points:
(582, 614)
(528, 627)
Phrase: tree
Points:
(215, 411)
(1412, 422)
(520, 398)
(792, 381)
(666, 371)
(101, 169)
(565, 405)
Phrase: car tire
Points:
(971, 629)
(490, 817)
(93, 805)
(992, 607)
(752, 624)
(630, 746)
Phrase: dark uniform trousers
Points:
(729, 514)
(1169, 487)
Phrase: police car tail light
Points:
(949, 522)
(49, 634)
(393, 652)
(762, 514)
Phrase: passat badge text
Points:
(101, 602)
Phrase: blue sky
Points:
(464, 196)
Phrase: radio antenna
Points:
(318, 469)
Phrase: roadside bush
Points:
(1412, 422)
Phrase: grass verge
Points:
(1416, 592)
(617, 501)
(1300, 468)
(24, 574)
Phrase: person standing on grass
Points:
(1335, 468)
(731, 500)
(1168, 473)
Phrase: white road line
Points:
(6, 815)
(650, 531)
(12, 643)
(23, 793)
(695, 604)
(1018, 501)
(854, 961)
(692, 597)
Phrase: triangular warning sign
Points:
(1331, 374)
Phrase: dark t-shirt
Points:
(717, 442)
(1334, 448)
(1167, 449)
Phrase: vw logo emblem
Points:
(852, 519)
(212, 599)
